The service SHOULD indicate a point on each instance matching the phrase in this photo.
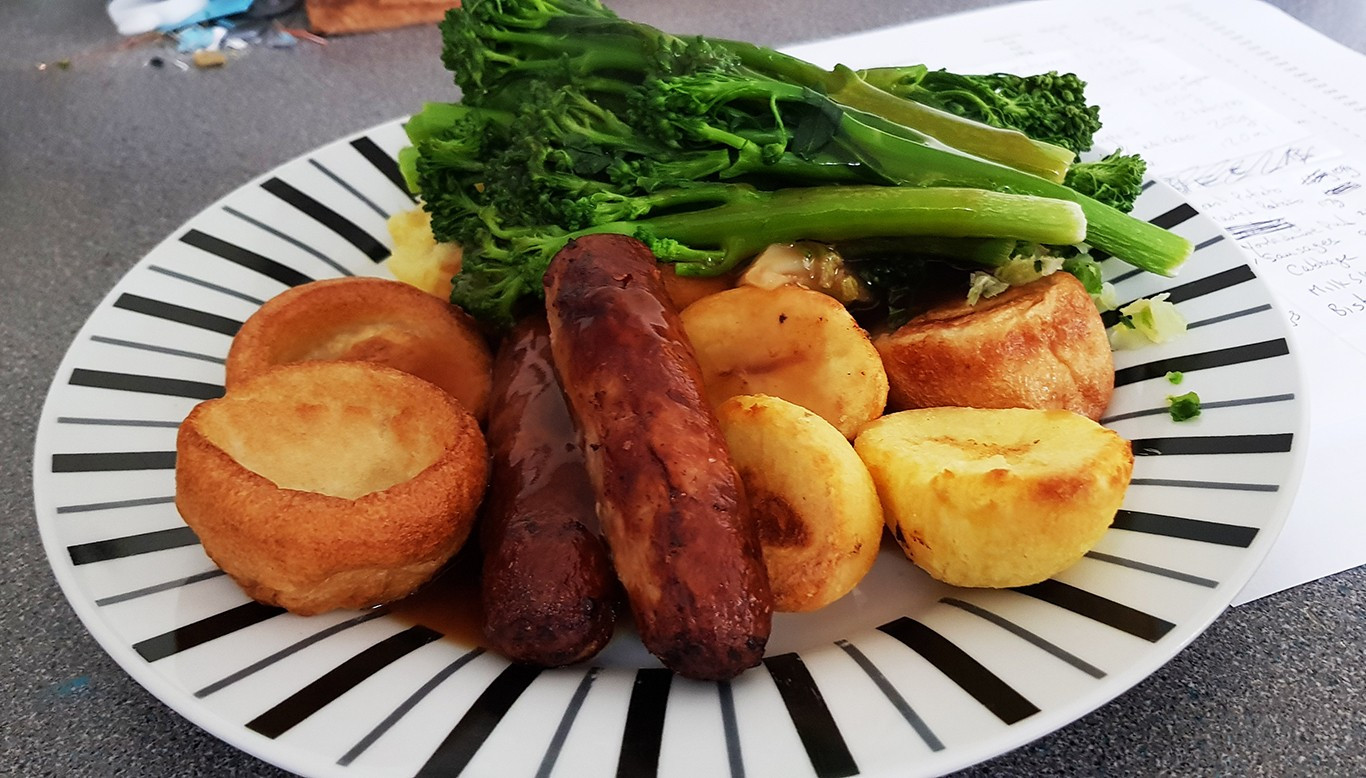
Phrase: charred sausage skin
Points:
(669, 500)
(547, 587)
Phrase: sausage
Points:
(548, 590)
(669, 500)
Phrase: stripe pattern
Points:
(105, 502)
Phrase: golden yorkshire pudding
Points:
(370, 319)
(1039, 345)
(325, 485)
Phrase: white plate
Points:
(904, 676)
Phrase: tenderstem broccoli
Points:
(1049, 107)
(574, 121)
(1115, 179)
(741, 220)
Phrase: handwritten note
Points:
(1304, 226)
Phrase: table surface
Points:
(101, 160)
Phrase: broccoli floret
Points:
(1049, 107)
(1116, 179)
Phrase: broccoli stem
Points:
(753, 219)
(1007, 147)
(983, 252)
(847, 88)
(910, 161)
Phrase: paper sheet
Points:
(1261, 122)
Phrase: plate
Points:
(903, 676)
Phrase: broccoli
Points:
(1049, 107)
(492, 44)
(1116, 179)
(574, 121)
(503, 264)
(909, 161)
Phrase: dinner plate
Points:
(904, 676)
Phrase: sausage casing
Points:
(547, 588)
(669, 500)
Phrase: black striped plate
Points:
(904, 677)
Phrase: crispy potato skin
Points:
(820, 522)
(548, 589)
(788, 342)
(330, 484)
(995, 497)
(669, 499)
(1040, 345)
(373, 320)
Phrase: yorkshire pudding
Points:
(325, 485)
(370, 319)
(1040, 345)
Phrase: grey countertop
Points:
(101, 160)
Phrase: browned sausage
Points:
(547, 587)
(669, 499)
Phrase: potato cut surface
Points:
(820, 522)
(788, 342)
(995, 497)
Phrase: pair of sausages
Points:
(669, 501)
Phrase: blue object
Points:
(214, 9)
(194, 38)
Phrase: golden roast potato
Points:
(324, 485)
(1039, 345)
(788, 342)
(370, 319)
(995, 497)
(820, 522)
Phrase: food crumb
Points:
(1183, 407)
(209, 59)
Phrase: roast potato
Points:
(370, 319)
(820, 522)
(995, 497)
(788, 342)
(1039, 345)
(326, 485)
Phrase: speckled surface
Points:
(100, 162)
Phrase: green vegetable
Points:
(1049, 107)
(1184, 407)
(1175, 376)
(1087, 270)
(513, 259)
(1116, 179)
(575, 121)
(909, 161)
(1145, 321)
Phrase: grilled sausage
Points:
(548, 590)
(669, 499)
